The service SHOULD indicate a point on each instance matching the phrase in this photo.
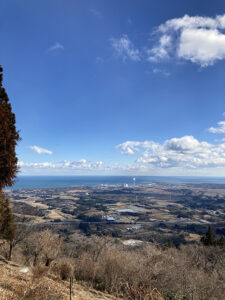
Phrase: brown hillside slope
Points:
(16, 285)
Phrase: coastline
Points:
(33, 182)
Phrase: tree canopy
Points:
(9, 137)
(209, 239)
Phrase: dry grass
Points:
(15, 285)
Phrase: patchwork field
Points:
(152, 213)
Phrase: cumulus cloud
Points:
(186, 144)
(185, 152)
(82, 164)
(124, 48)
(183, 155)
(131, 147)
(197, 39)
(202, 46)
(56, 46)
(40, 150)
(219, 129)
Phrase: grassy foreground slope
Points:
(17, 282)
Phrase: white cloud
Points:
(191, 22)
(124, 48)
(176, 156)
(202, 46)
(185, 152)
(186, 144)
(99, 60)
(96, 13)
(161, 71)
(131, 147)
(56, 46)
(78, 165)
(35, 165)
(219, 129)
(160, 51)
(40, 150)
(81, 166)
(197, 39)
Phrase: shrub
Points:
(191, 272)
(64, 269)
(39, 271)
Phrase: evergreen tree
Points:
(169, 244)
(221, 241)
(8, 228)
(209, 239)
(1, 211)
(9, 137)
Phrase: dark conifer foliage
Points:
(221, 241)
(8, 230)
(169, 244)
(209, 239)
(9, 137)
(7, 225)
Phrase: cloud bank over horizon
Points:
(77, 167)
(183, 155)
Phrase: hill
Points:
(17, 282)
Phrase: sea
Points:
(38, 182)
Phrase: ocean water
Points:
(33, 182)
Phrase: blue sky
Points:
(116, 87)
